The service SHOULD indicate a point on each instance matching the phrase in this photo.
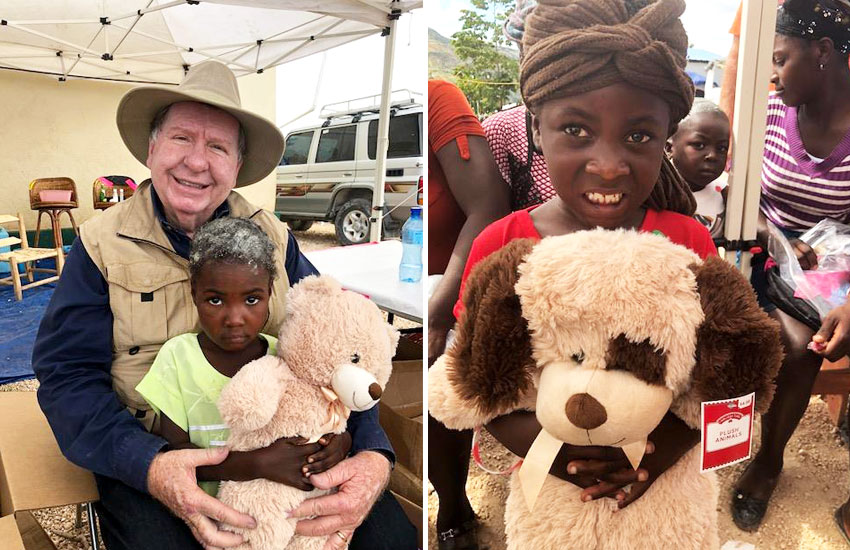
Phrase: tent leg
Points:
(376, 220)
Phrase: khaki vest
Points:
(149, 291)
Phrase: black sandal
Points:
(464, 537)
(748, 512)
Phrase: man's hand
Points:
(172, 481)
(360, 480)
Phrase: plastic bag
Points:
(825, 287)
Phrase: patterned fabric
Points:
(507, 136)
(182, 385)
(796, 190)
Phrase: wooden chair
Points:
(26, 255)
(118, 182)
(53, 196)
(833, 384)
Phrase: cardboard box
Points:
(33, 472)
(401, 410)
(21, 531)
(10, 537)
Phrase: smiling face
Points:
(699, 148)
(194, 161)
(604, 151)
(795, 70)
(232, 302)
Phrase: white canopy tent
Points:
(748, 127)
(157, 41)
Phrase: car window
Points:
(336, 144)
(404, 137)
(297, 148)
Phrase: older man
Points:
(125, 291)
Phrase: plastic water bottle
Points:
(410, 270)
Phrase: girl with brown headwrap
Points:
(605, 82)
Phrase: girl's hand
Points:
(805, 255)
(675, 439)
(833, 339)
(282, 461)
(335, 447)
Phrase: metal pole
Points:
(376, 220)
(95, 544)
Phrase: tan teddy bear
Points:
(601, 333)
(334, 356)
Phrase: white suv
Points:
(327, 172)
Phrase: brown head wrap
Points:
(576, 46)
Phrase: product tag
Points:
(727, 428)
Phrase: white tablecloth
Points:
(372, 270)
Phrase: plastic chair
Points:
(105, 187)
(53, 196)
(26, 255)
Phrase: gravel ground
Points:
(814, 483)
(59, 522)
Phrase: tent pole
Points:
(748, 128)
(376, 220)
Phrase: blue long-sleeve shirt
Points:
(72, 358)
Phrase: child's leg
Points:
(448, 466)
(793, 389)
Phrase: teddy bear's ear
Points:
(738, 346)
(491, 353)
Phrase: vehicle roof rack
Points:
(399, 99)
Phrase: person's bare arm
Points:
(282, 461)
(483, 196)
(730, 73)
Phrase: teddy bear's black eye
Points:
(355, 358)
(578, 357)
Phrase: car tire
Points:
(352, 222)
(299, 225)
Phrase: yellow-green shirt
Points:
(182, 385)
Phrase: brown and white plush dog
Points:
(601, 333)
(334, 355)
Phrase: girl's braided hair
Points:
(576, 46)
(236, 241)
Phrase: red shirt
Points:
(450, 121)
(676, 227)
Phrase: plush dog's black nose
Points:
(585, 412)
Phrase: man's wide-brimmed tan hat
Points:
(212, 83)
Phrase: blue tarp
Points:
(18, 326)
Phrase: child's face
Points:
(604, 151)
(699, 149)
(232, 302)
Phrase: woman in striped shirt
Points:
(805, 178)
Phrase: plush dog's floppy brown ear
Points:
(492, 350)
(738, 346)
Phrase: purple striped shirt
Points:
(797, 191)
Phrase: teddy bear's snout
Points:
(585, 412)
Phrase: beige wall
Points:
(52, 128)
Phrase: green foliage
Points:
(487, 72)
